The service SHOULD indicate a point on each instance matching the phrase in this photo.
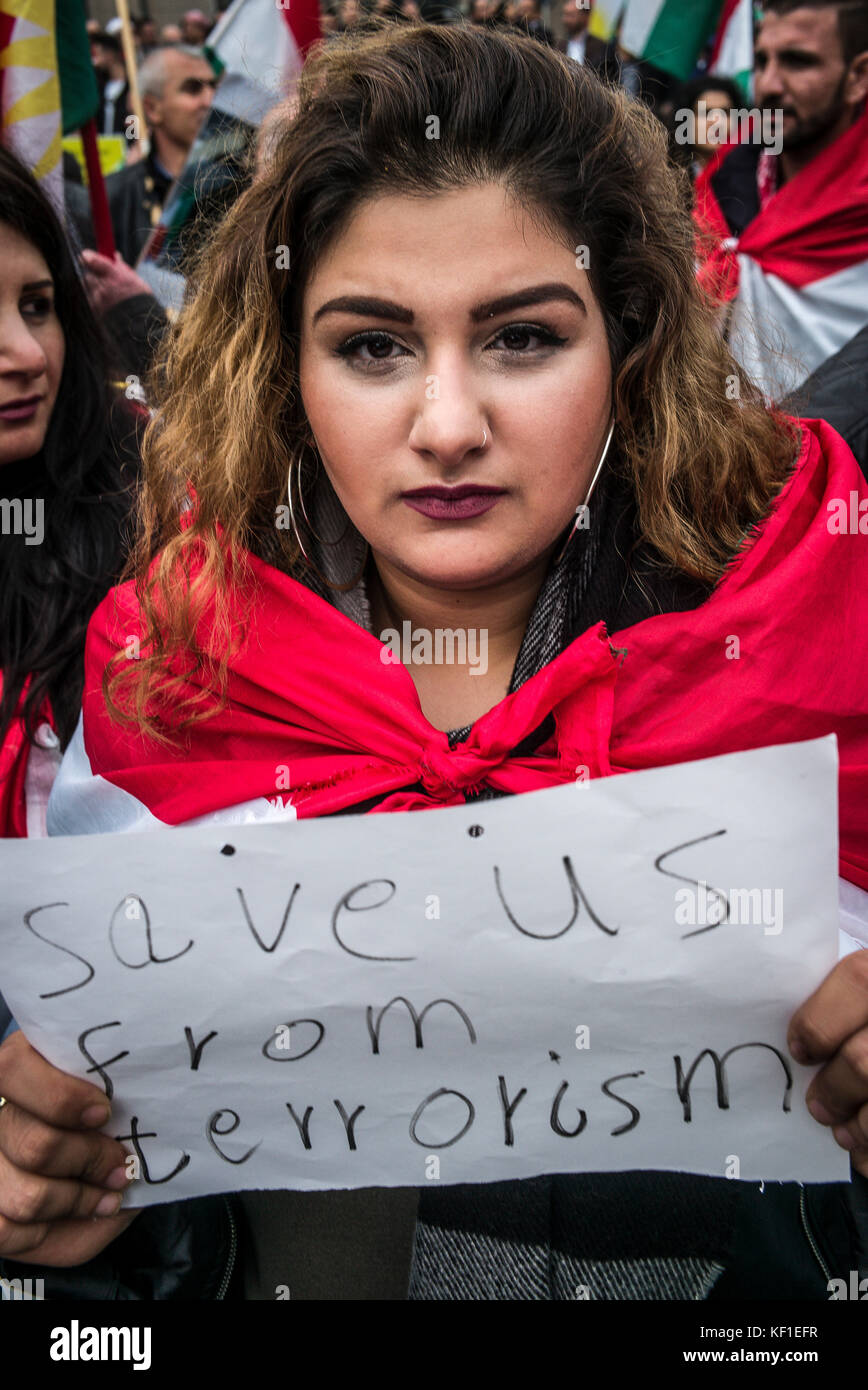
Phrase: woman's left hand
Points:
(832, 1027)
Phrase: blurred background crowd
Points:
(764, 107)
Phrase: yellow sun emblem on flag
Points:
(30, 86)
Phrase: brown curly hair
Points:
(589, 164)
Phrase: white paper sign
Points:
(597, 977)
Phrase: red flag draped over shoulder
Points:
(14, 754)
(796, 279)
(815, 226)
(777, 654)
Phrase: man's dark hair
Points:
(689, 94)
(852, 20)
(110, 41)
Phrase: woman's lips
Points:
(453, 504)
(21, 409)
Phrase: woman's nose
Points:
(451, 419)
(20, 352)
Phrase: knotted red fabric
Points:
(777, 654)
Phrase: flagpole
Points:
(129, 48)
(99, 208)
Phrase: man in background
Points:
(529, 19)
(580, 46)
(195, 28)
(107, 58)
(177, 88)
(786, 234)
(145, 36)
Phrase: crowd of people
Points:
(821, 135)
(643, 355)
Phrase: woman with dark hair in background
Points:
(698, 119)
(68, 470)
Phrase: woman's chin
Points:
(438, 571)
(18, 445)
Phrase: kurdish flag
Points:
(604, 19)
(671, 34)
(47, 83)
(30, 90)
(79, 93)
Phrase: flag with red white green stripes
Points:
(670, 34)
(732, 54)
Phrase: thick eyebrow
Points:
(366, 307)
(521, 299)
(39, 285)
(804, 54)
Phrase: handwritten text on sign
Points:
(595, 977)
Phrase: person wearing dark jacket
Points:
(134, 322)
(114, 88)
(177, 86)
(585, 48)
(529, 21)
(76, 446)
(838, 392)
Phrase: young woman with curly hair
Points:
(446, 363)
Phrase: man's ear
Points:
(153, 109)
(856, 89)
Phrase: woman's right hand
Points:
(60, 1180)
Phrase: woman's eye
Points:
(370, 347)
(38, 308)
(519, 337)
(517, 340)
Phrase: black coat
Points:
(182, 1250)
(115, 126)
(135, 196)
(602, 57)
(838, 392)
